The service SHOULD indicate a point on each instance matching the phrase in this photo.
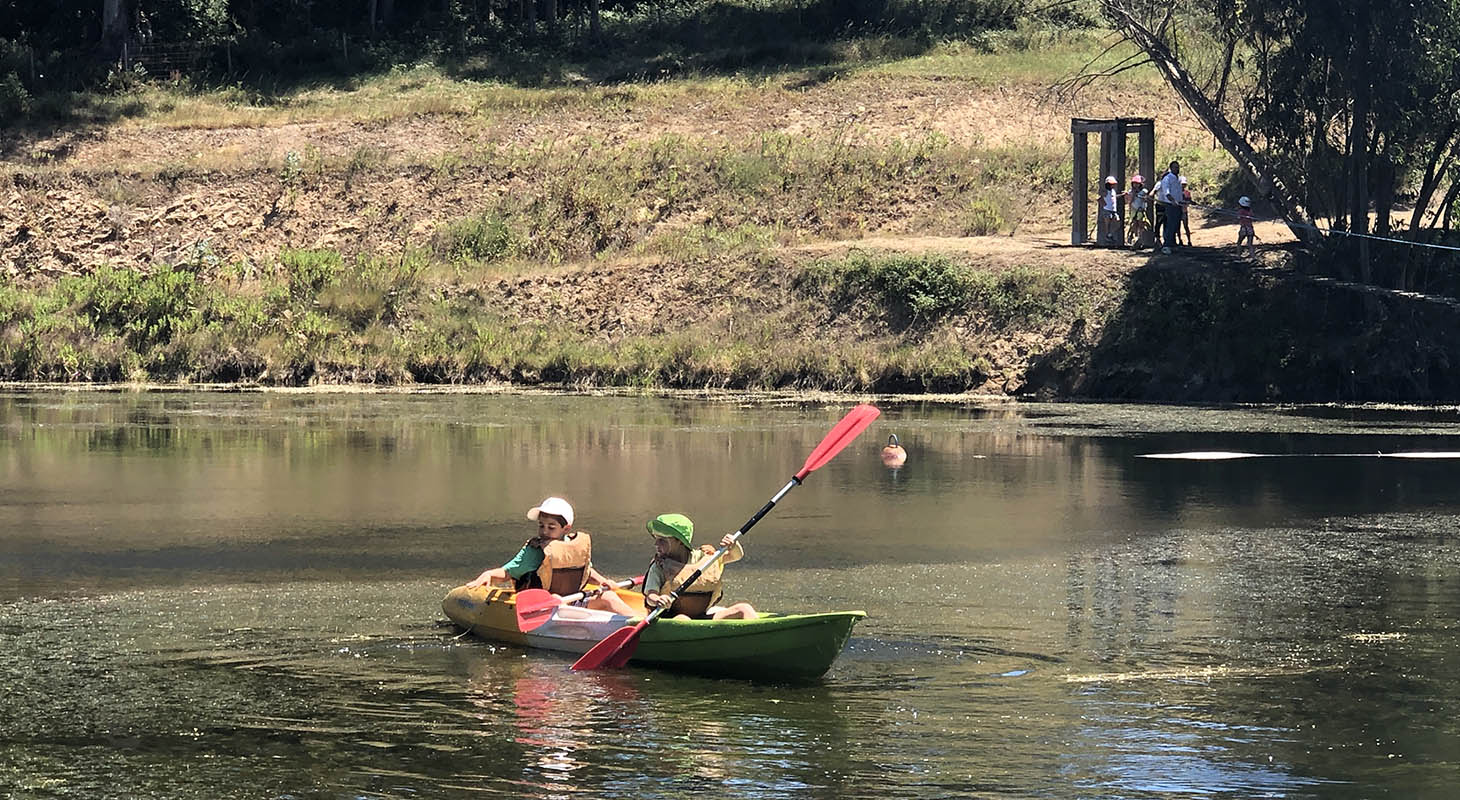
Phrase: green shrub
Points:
(145, 310)
(1023, 294)
(925, 288)
(485, 237)
(309, 271)
(982, 218)
(14, 99)
(922, 287)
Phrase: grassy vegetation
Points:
(920, 291)
(725, 204)
(314, 316)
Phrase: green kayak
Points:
(780, 647)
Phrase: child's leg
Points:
(737, 611)
(610, 601)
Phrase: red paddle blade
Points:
(839, 437)
(614, 651)
(534, 607)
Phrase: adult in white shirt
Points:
(1168, 194)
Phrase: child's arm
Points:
(598, 577)
(488, 576)
(653, 583)
(528, 559)
(735, 553)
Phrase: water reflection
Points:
(201, 590)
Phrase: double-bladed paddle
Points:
(536, 606)
(618, 647)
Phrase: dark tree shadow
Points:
(1221, 329)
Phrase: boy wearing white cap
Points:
(558, 559)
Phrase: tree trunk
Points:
(373, 7)
(387, 12)
(1269, 184)
(1358, 163)
(1359, 155)
(113, 24)
(1449, 204)
(1433, 174)
(550, 14)
(1383, 195)
(595, 27)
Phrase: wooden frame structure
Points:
(1113, 134)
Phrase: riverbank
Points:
(898, 227)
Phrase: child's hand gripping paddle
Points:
(618, 647)
(536, 606)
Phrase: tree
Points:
(1353, 105)
(113, 24)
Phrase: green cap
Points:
(673, 526)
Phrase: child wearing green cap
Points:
(675, 561)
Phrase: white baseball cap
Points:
(556, 506)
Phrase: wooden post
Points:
(1118, 170)
(1146, 157)
(1107, 154)
(1080, 228)
(1146, 163)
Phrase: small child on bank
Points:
(1109, 212)
(1244, 226)
(1185, 212)
(674, 562)
(1139, 199)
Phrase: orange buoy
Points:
(893, 455)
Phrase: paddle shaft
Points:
(735, 537)
(577, 597)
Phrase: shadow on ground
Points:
(1224, 330)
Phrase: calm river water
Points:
(238, 595)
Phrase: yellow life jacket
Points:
(565, 562)
(698, 597)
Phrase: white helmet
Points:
(1244, 201)
(1111, 179)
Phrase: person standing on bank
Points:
(1168, 194)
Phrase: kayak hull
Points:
(779, 647)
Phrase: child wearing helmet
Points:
(1139, 199)
(674, 562)
(1244, 226)
(1110, 212)
(558, 559)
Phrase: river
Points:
(214, 595)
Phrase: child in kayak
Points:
(558, 559)
(674, 561)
